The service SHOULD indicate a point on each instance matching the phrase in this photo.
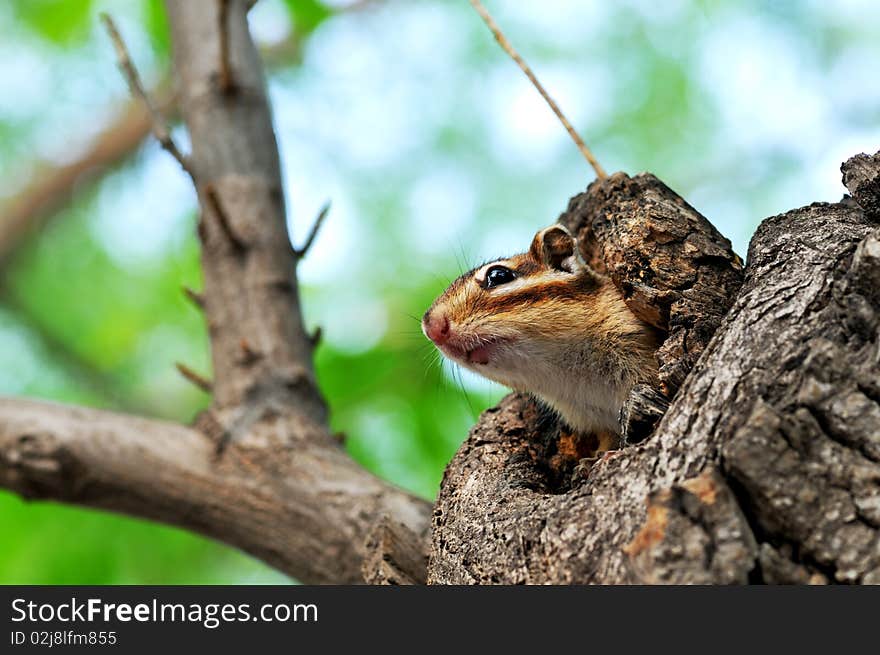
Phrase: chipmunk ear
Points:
(555, 247)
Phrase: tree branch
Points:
(308, 515)
(395, 556)
(191, 376)
(227, 84)
(525, 68)
(194, 297)
(252, 289)
(217, 210)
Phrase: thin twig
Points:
(301, 252)
(200, 381)
(505, 44)
(222, 217)
(159, 126)
(316, 336)
(226, 83)
(195, 297)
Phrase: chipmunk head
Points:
(544, 322)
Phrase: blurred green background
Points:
(436, 153)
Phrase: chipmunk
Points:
(545, 323)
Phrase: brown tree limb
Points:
(395, 556)
(307, 512)
(253, 296)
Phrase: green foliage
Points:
(116, 317)
(51, 544)
(156, 24)
(307, 14)
(63, 22)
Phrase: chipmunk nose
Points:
(436, 328)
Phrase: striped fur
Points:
(565, 336)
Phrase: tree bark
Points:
(765, 468)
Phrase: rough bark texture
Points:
(861, 176)
(395, 555)
(766, 467)
(675, 270)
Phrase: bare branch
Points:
(319, 220)
(159, 125)
(508, 48)
(200, 381)
(269, 506)
(195, 297)
(51, 188)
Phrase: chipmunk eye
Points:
(498, 275)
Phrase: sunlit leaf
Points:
(156, 23)
(307, 14)
(59, 21)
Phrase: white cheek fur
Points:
(588, 399)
